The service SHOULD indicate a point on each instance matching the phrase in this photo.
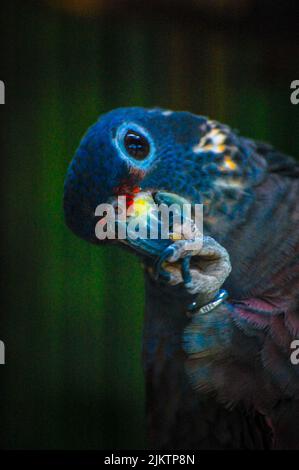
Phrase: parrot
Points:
(220, 342)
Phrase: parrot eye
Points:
(136, 145)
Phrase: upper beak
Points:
(144, 212)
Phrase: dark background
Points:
(71, 314)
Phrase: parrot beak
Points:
(143, 224)
(145, 231)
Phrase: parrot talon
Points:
(158, 270)
(165, 275)
(186, 270)
(168, 253)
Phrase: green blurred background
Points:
(71, 315)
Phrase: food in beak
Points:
(153, 222)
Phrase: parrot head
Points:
(135, 149)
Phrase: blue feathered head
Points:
(154, 150)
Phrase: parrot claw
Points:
(169, 253)
(186, 270)
(158, 270)
(204, 277)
